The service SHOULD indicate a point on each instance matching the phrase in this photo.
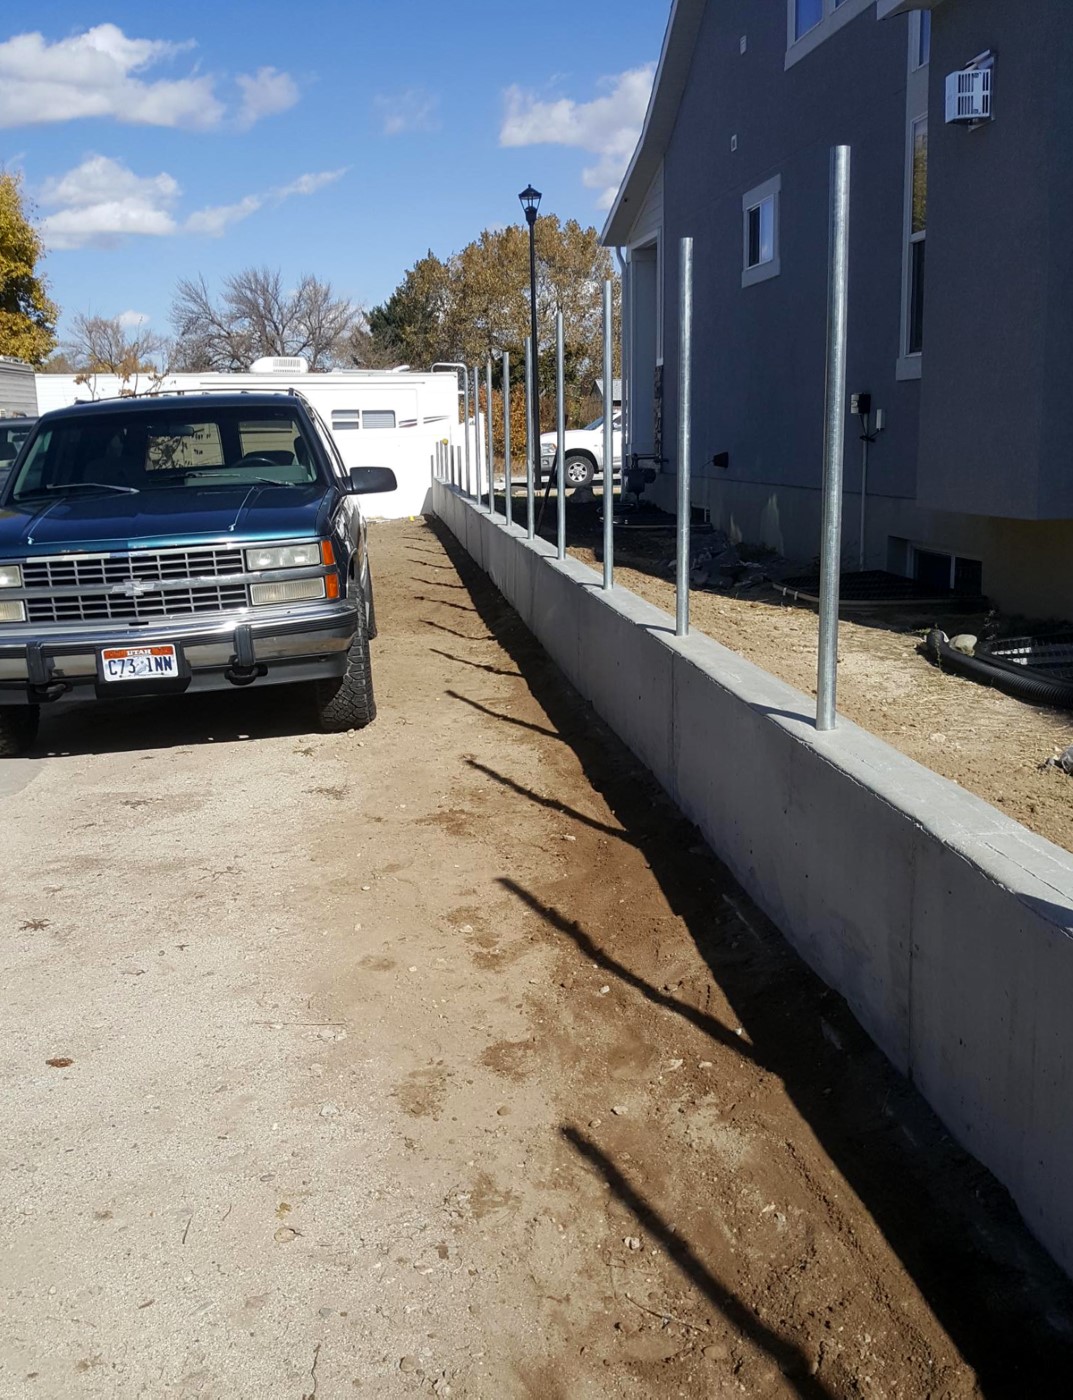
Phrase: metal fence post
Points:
(491, 441)
(465, 430)
(834, 435)
(476, 434)
(685, 427)
(560, 434)
(609, 445)
(531, 443)
(508, 505)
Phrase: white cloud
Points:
(98, 74)
(309, 184)
(215, 220)
(132, 320)
(607, 127)
(411, 110)
(265, 93)
(102, 201)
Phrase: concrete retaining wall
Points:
(946, 926)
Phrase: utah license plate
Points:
(139, 664)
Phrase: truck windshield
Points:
(172, 448)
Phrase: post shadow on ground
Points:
(434, 582)
(503, 719)
(1004, 1303)
(476, 665)
(593, 953)
(452, 631)
(790, 1359)
(552, 804)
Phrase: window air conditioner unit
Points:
(968, 96)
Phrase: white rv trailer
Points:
(18, 395)
(378, 418)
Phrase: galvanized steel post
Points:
(560, 434)
(491, 443)
(834, 436)
(685, 427)
(531, 444)
(609, 444)
(508, 505)
(465, 429)
(476, 434)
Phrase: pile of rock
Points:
(715, 562)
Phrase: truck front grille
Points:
(142, 586)
(85, 571)
(184, 601)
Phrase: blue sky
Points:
(339, 137)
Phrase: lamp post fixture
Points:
(530, 199)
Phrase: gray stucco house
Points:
(966, 353)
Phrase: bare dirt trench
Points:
(443, 1060)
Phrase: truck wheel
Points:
(18, 728)
(346, 701)
(579, 471)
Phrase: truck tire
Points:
(346, 701)
(579, 470)
(18, 729)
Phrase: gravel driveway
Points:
(441, 1059)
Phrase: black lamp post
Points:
(530, 199)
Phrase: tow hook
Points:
(42, 686)
(245, 668)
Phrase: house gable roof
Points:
(672, 72)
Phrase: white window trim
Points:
(762, 272)
(909, 358)
(916, 22)
(910, 366)
(834, 17)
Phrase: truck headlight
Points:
(299, 590)
(283, 556)
(12, 612)
(10, 576)
(548, 449)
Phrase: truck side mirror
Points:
(367, 480)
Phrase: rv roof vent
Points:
(968, 96)
(280, 364)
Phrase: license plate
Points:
(139, 664)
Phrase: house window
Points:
(760, 232)
(810, 22)
(807, 15)
(345, 418)
(378, 418)
(943, 572)
(922, 39)
(918, 220)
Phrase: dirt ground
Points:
(990, 743)
(444, 1060)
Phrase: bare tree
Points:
(255, 316)
(104, 345)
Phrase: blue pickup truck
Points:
(156, 546)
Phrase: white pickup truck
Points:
(584, 451)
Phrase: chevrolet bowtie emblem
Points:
(133, 588)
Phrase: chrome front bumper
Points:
(282, 644)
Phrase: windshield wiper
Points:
(238, 480)
(95, 485)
